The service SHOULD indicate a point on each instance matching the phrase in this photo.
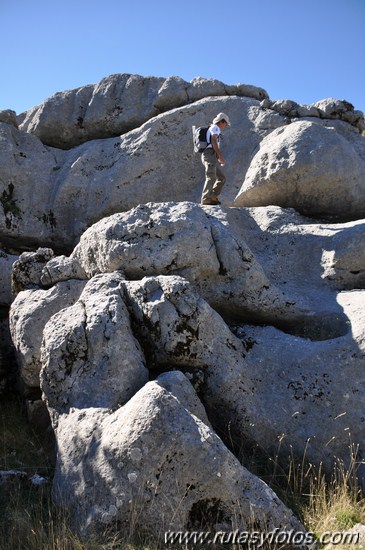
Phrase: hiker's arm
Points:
(217, 150)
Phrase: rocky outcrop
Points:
(123, 257)
(29, 314)
(9, 117)
(328, 108)
(145, 468)
(50, 196)
(117, 104)
(307, 167)
(150, 324)
(90, 356)
(122, 102)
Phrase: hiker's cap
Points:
(220, 117)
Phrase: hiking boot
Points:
(209, 202)
(215, 199)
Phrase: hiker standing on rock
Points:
(212, 160)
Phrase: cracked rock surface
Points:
(170, 341)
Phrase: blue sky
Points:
(304, 50)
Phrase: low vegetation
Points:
(29, 521)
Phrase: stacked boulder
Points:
(168, 339)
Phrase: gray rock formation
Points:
(89, 354)
(177, 328)
(307, 167)
(117, 104)
(148, 322)
(9, 117)
(29, 314)
(53, 195)
(153, 466)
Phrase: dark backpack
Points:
(200, 138)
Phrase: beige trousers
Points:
(214, 177)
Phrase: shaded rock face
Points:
(126, 328)
(149, 324)
(148, 465)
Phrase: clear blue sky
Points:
(304, 50)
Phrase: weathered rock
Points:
(158, 239)
(6, 265)
(179, 386)
(27, 189)
(65, 111)
(311, 413)
(117, 104)
(57, 194)
(317, 389)
(177, 327)
(89, 355)
(344, 258)
(307, 167)
(27, 269)
(296, 254)
(286, 107)
(237, 379)
(329, 109)
(153, 466)
(29, 313)
(9, 117)
(61, 268)
(335, 108)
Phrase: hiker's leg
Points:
(220, 181)
(210, 165)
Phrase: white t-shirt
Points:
(213, 130)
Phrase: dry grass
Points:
(29, 521)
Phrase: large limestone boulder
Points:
(55, 195)
(155, 239)
(308, 167)
(29, 313)
(235, 375)
(117, 104)
(89, 354)
(27, 179)
(153, 466)
(268, 387)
